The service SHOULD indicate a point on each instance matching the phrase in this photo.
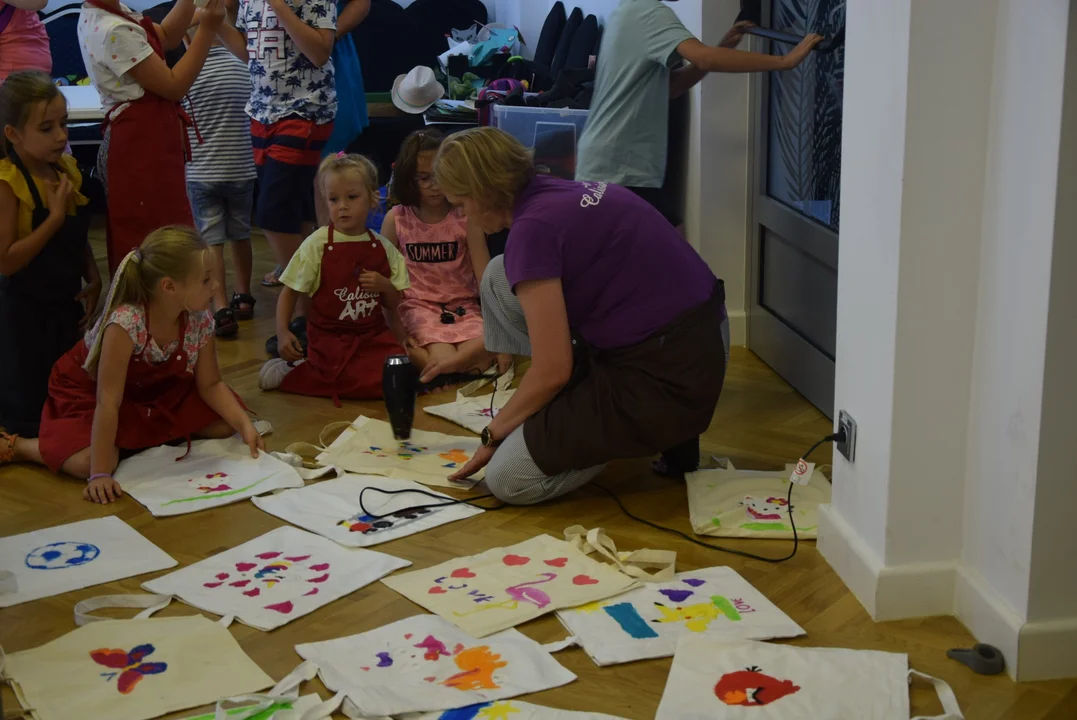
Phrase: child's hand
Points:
(251, 437)
(288, 346)
(58, 195)
(733, 37)
(211, 16)
(89, 297)
(375, 282)
(103, 490)
(801, 51)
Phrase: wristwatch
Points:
(488, 438)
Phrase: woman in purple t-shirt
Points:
(624, 323)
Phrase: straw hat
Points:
(417, 91)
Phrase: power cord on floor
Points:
(838, 436)
(447, 502)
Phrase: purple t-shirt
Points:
(625, 271)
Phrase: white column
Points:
(946, 307)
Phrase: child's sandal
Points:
(242, 306)
(227, 327)
(7, 448)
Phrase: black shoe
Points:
(298, 326)
(273, 349)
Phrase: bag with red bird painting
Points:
(723, 680)
(132, 670)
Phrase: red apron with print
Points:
(160, 404)
(348, 338)
(147, 150)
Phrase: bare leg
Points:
(419, 357)
(439, 352)
(78, 465)
(475, 350)
(215, 431)
(242, 264)
(27, 451)
(216, 271)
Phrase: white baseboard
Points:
(738, 328)
(1034, 651)
(891, 592)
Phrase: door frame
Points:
(804, 365)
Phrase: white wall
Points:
(1015, 266)
(956, 338)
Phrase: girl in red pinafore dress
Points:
(353, 277)
(440, 311)
(145, 375)
(145, 143)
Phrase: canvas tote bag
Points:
(712, 679)
(472, 411)
(132, 670)
(747, 503)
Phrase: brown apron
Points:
(634, 401)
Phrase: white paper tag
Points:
(262, 426)
(802, 472)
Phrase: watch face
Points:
(486, 437)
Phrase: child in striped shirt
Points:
(221, 178)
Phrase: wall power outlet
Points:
(848, 447)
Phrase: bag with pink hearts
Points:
(504, 587)
(273, 579)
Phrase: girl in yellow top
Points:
(44, 253)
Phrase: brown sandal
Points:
(7, 448)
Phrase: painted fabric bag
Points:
(648, 621)
(368, 447)
(748, 503)
(273, 579)
(504, 587)
(424, 664)
(508, 710)
(215, 473)
(71, 557)
(133, 670)
(331, 509)
(472, 411)
(713, 679)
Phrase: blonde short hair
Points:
(485, 164)
(360, 165)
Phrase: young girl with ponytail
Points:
(145, 375)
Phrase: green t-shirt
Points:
(625, 138)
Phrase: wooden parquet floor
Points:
(760, 423)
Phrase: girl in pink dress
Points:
(440, 312)
(24, 44)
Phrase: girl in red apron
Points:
(145, 128)
(145, 375)
(354, 278)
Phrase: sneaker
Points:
(273, 373)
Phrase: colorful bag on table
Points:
(714, 679)
(132, 670)
(495, 94)
(491, 40)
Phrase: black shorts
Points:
(663, 200)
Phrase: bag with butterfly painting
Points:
(132, 670)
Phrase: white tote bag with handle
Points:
(713, 679)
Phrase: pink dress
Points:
(24, 44)
(442, 279)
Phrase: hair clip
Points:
(138, 254)
(341, 154)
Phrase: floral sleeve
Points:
(200, 328)
(133, 320)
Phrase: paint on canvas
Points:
(504, 587)
(648, 621)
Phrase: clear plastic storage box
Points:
(553, 133)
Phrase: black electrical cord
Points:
(414, 508)
(840, 435)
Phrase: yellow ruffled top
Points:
(11, 176)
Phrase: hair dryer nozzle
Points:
(399, 382)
